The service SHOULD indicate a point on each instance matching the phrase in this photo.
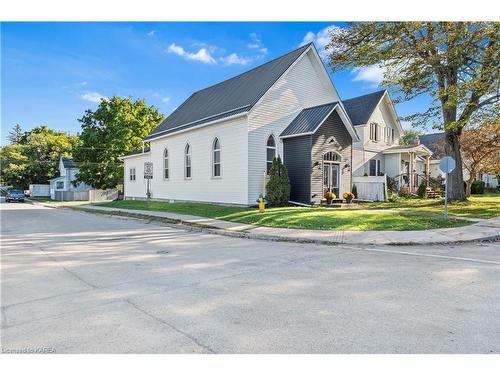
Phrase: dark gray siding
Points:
(331, 136)
(297, 159)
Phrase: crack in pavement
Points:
(160, 320)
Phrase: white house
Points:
(219, 144)
(68, 170)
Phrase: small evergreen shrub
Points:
(278, 187)
(422, 190)
(477, 187)
(354, 190)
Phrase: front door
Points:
(331, 178)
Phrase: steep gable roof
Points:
(308, 120)
(434, 142)
(233, 96)
(361, 108)
(68, 162)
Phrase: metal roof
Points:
(68, 162)
(308, 120)
(138, 152)
(435, 142)
(361, 108)
(233, 96)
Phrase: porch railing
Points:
(407, 183)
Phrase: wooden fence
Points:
(89, 195)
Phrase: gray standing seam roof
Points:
(308, 119)
(435, 143)
(68, 163)
(361, 108)
(233, 96)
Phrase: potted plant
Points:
(329, 196)
(348, 196)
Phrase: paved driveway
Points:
(83, 283)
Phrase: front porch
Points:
(408, 166)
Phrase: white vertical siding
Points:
(392, 164)
(301, 87)
(137, 188)
(230, 188)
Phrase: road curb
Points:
(260, 236)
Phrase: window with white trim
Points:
(392, 136)
(132, 174)
(60, 185)
(216, 158)
(387, 135)
(165, 164)
(270, 152)
(375, 167)
(187, 161)
(374, 132)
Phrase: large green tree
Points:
(34, 158)
(15, 135)
(456, 63)
(116, 127)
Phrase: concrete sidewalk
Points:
(480, 231)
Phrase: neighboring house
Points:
(219, 144)
(68, 170)
(378, 151)
(436, 142)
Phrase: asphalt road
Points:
(77, 282)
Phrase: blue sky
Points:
(53, 72)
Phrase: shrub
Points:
(329, 195)
(477, 187)
(405, 195)
(278, 187)
(348, 196)
(422, 190)
(393, 197)
(391, 184)
(354, 190)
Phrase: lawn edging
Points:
(479, 231)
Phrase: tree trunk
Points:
(468, 187)
(456, 189)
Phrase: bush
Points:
(477, 187)
(393, 197)
(329, 195)
(405, 195)
(355, 190)
(422, 190)
(278, 187)
(391, 184)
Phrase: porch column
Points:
(410, 172)
(427, 160)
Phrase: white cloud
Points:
(321, 38)
(165, 99)
(373, 74)
(151, 33)
(233, 59)
(256, 44)
(94, 97)
(202, 55)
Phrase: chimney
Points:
(416, 140)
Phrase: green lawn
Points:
(298, 217)
(479, 206)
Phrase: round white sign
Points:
(447, 164)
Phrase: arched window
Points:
(331, 156)
(270, 152)
(165, 164)
(187, 161)
(216, 158)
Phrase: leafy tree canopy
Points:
(116, 127)
(408, 137)
(35, 158)
(456, 63)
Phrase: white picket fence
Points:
(372, 188)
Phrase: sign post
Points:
(447, 165)
(148, 175)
